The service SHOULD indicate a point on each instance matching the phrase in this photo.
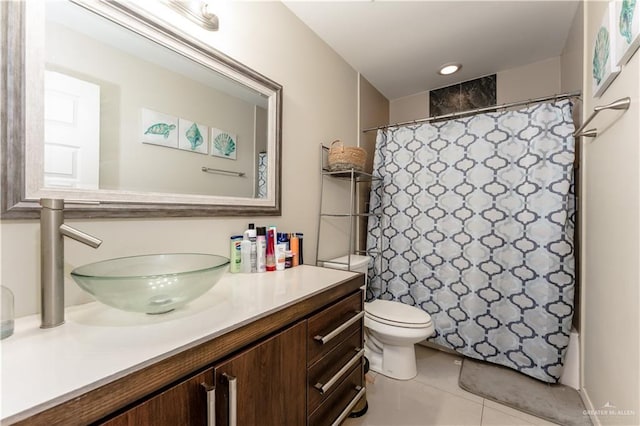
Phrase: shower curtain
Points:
(473, 222)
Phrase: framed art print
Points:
(627, 29)
(604, 68)
(193, 137)
(223, 144)
(159, 129)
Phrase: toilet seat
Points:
(397, 314)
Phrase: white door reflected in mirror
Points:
(71, 132)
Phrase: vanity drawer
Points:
(325, 375)
(340, 401)
(328, 328)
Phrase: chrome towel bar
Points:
(620, 104)
(222, 172)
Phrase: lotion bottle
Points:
(245, 254)
(235, 253)
(281, 250)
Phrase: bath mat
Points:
(556, 403)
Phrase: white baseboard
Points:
(591, 410)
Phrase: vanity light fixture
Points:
(450, 68)
(198, 11)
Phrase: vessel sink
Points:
(152, 284)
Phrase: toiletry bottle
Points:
(261, 247)
(288, 259)
(271, 250)
(293, 242)
(300, 236)
(235, 253)
(254, 247)
(281, 250)
(245, 254)
(7, 312)
(283, 238)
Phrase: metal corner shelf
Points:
(353, 177)
(350, 174)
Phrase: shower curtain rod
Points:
(479, 110)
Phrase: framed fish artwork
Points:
(193, 137)
(159, 129)
(604, 68)
(627, 29)
(223, 144)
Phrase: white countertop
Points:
(98, 344)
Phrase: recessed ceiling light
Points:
(447, 69)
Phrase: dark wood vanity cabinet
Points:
(264, 384)
(182, 404)
(309, 372)
(335, 354)
(259, 386)
(301, 365)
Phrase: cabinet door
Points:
(269, 381)
(182, 404)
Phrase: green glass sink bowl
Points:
(152, 284)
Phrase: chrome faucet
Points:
(52, 229)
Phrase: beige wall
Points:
(530, 81)
(407, 108)
(319, 105)
(374, 112)
(611, 236)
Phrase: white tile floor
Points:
(434, 398)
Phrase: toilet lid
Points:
(397, 312)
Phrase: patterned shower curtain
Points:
(475, 226)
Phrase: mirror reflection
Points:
(124, 113)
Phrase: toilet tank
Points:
(358, 264)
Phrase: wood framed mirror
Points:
(123, 115)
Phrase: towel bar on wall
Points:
(222, 172)
(622, 103)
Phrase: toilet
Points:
(391, 329)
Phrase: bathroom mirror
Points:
(124, 115)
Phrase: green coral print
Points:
(160, 129)
(224, 144)
(600, 54)
(626, 19)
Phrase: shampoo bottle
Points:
(254, 248)
(271, 250)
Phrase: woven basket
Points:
(342, 158)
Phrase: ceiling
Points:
(398, 46)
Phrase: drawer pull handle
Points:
(347, 410)
(323, 388)
(211, 403)
(338, 330)
(233, 399)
